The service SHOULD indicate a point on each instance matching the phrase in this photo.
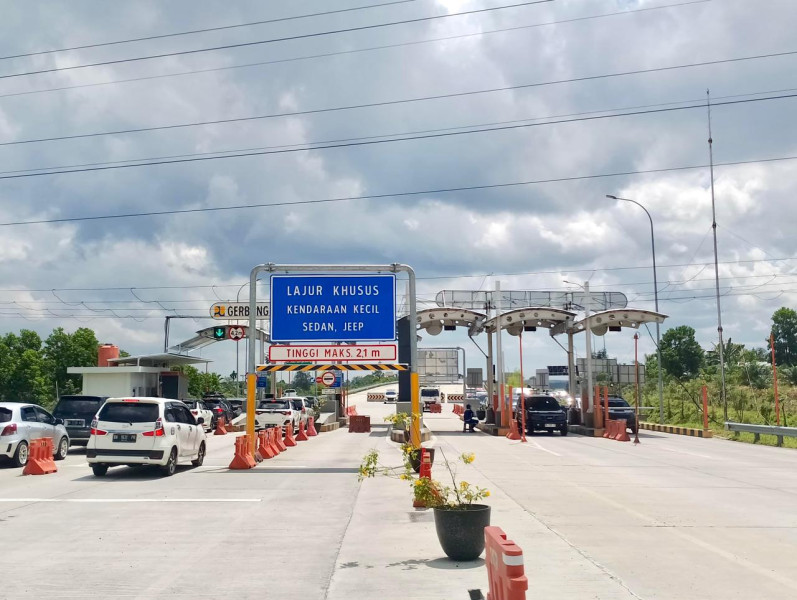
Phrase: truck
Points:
(429, 395)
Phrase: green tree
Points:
(302, 382)
(63, 350)
(681, 355)
(784, 330)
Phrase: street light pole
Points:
(237, 363)
(656, 299)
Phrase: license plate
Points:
(551, 425)
(74, 422)
(124, 437)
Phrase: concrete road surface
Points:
(674, 517)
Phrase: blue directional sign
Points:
(333, 308)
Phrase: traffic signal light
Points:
(219, 333)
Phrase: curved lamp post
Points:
(656, 299)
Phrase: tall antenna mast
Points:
(723, 396)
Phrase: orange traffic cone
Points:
(289, 439)
(302, 436)
(513, 432)
(278, 439)
(242, 458)
(622, 433)
(220, 429)
(311, 427)
(265, 450)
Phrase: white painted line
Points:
(685, 452)
(530, 443)
(121, 500)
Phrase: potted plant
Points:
(413, 455)
(459, 518)
(401, 422)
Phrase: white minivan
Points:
(145, 431)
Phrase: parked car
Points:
(77, 413)
(145, 431)
(620, 409)
(20, 423)
(303, 407)
(391, 396)
(276, 412)
(429, 395)
(199, 409)
(219, 407)
(288, 392)
(543, 412)
(237, 405)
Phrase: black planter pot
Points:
(481, 414)
(461, 530)
(415, 458)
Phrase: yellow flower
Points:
(418, 483)
(468, 458)
(486, 493)
(463, 484)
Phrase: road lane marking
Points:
(529, 443)
(121, 500)
(685, 452)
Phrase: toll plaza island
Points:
(585, 515)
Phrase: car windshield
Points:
(274, 405)
(192, 404)
(5, 415)
(67, 406)
(618, 403)
(297, 405)
(129, 412)
(391, 392)
(542, 403)
(430, 393)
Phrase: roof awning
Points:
(528, 319)
(614, 320)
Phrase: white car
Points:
(145, 431)
(278, 412)
(20, 423)
(391, 396)
(200, 409)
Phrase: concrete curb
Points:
(690, 431)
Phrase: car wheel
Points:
(200, 457)
(99, 470)
(171, 465)
(63, 448)
(563, 430)
(21, 455)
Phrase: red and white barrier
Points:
(505, 571)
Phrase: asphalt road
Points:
(674, 517)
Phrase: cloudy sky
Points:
(569, 72)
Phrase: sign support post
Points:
(274, 268)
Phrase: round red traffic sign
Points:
(236, 333)
(328, 378)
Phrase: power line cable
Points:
(563, 270)
(378, 141)
(273, 40)
(392, 194)
(355, 51)
(206, 30)
(306, 145)
(401, 101)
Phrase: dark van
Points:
(77, 413)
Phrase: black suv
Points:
(77, 413)
(543, 413)
(220, 407)
(620, 409)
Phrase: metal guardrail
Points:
(758, 430)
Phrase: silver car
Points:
(20, 423)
